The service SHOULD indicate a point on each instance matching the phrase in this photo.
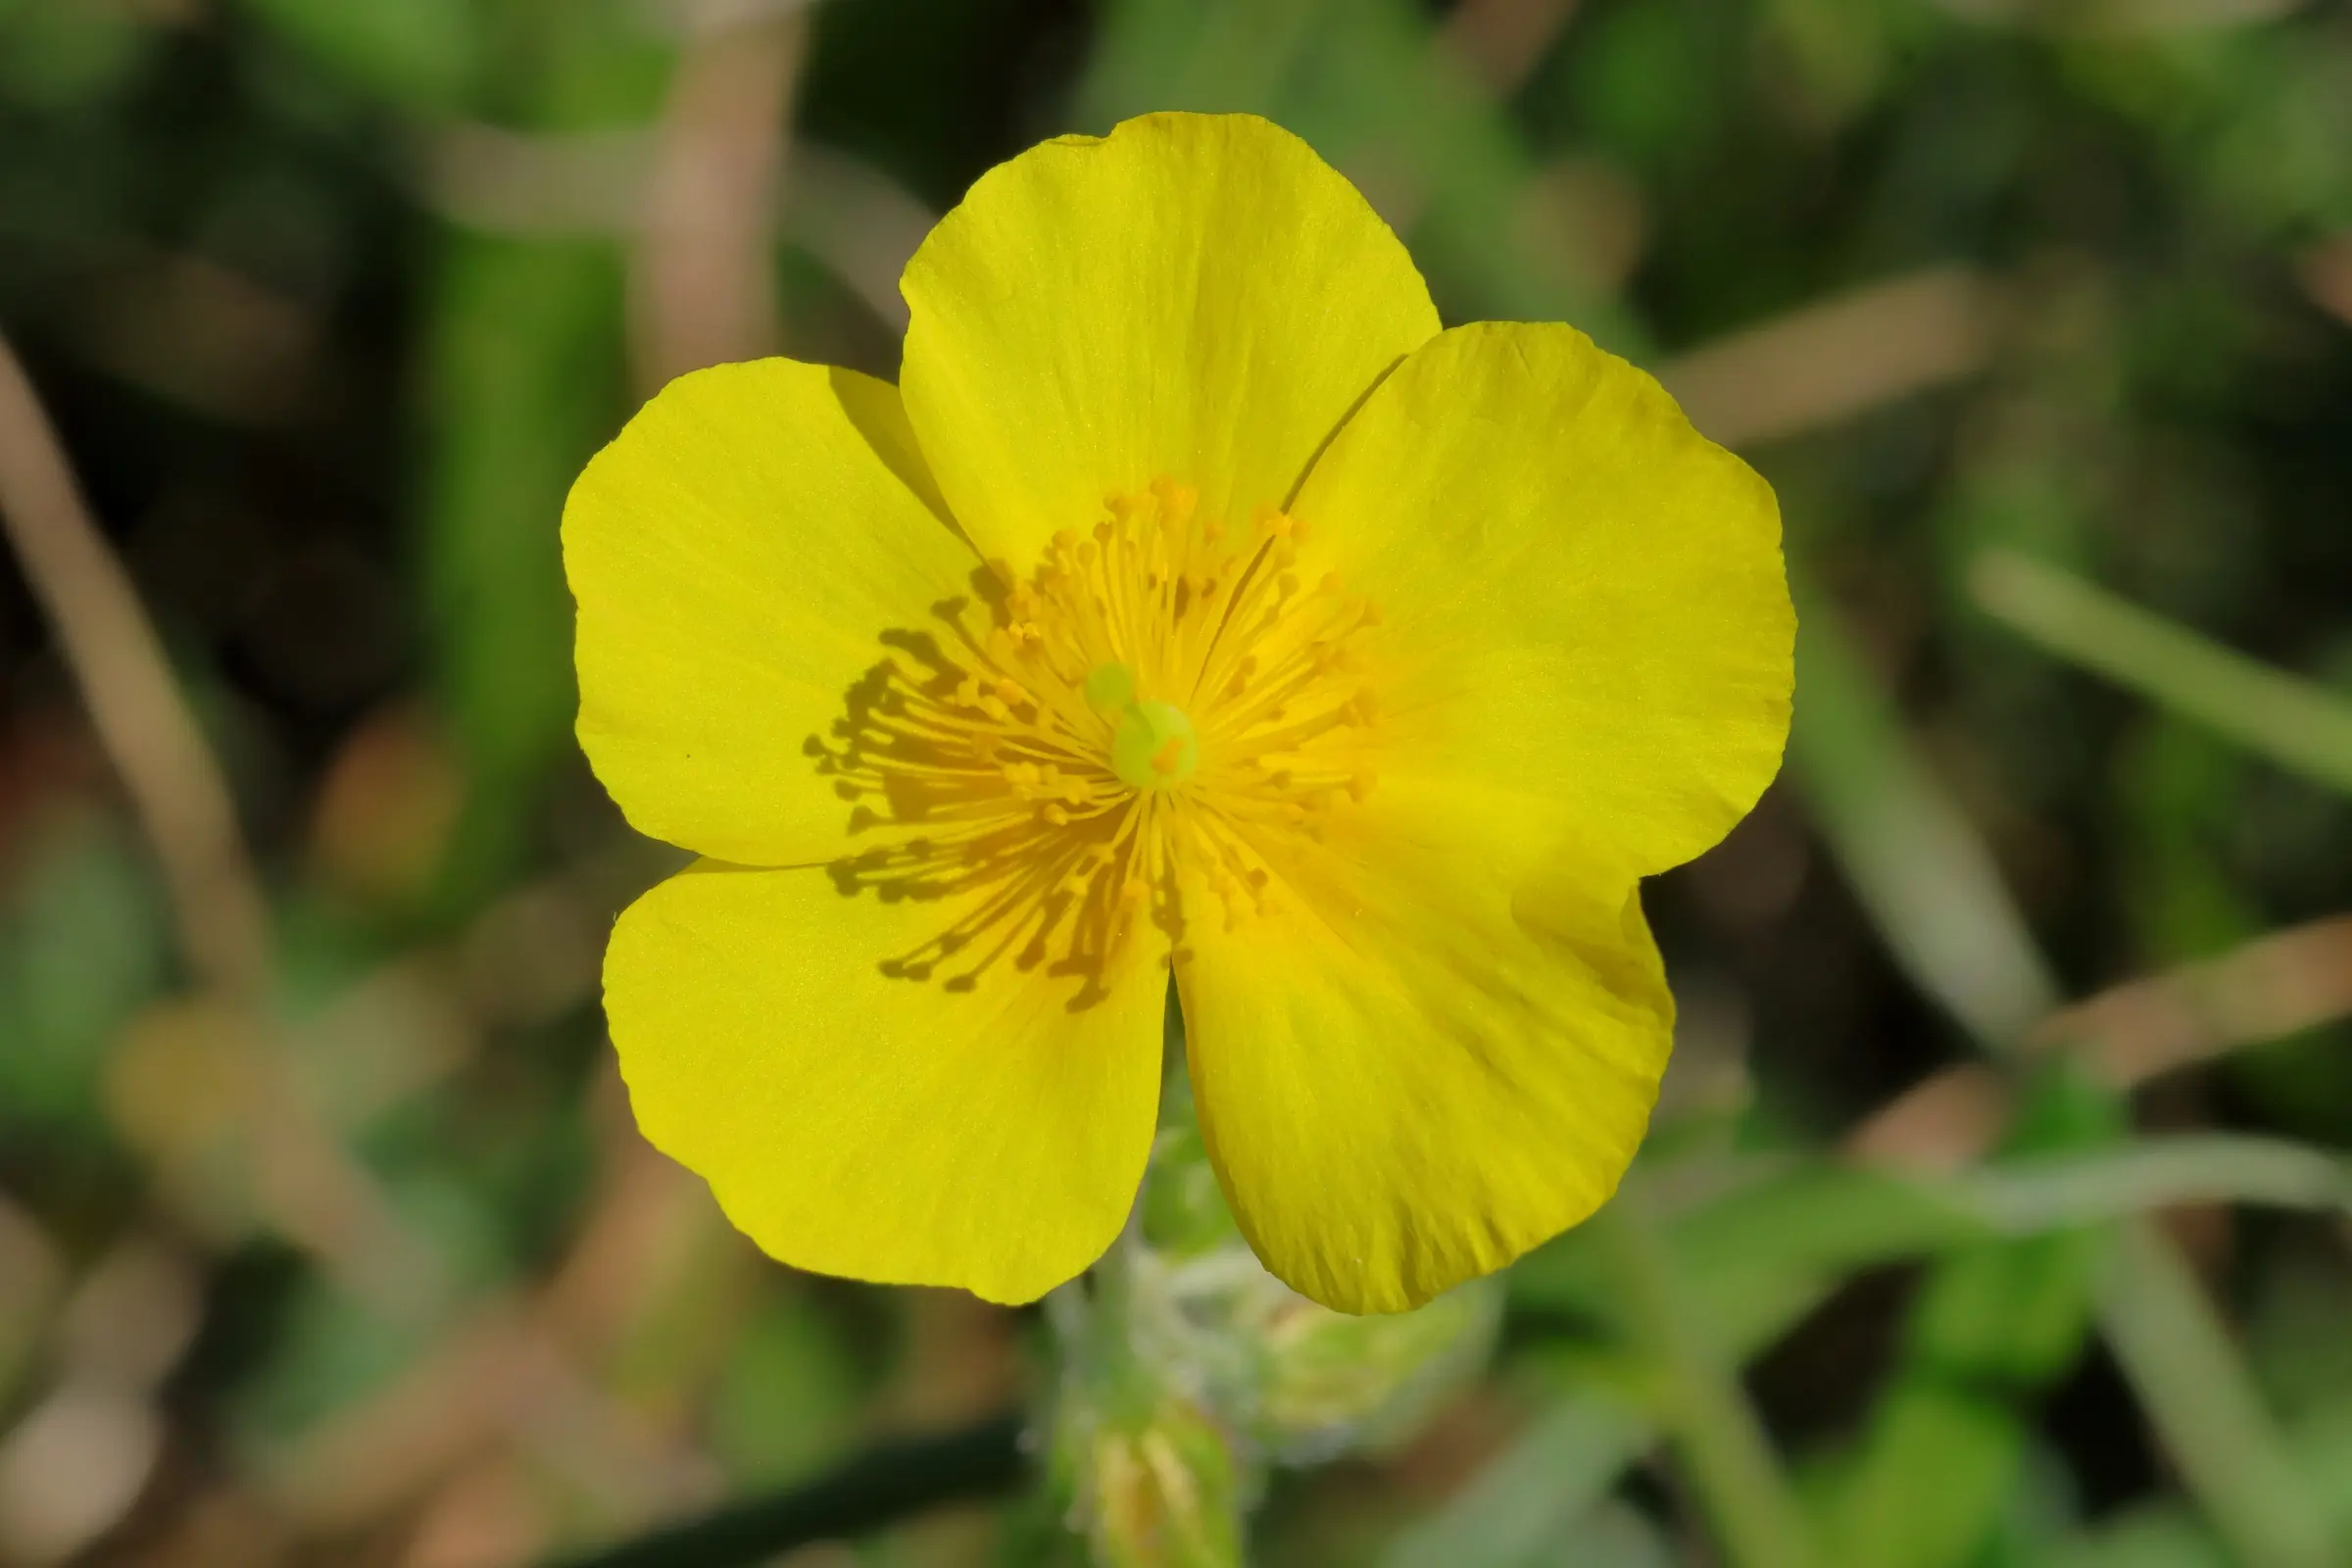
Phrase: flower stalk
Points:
(1186, 1371)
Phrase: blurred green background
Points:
(1998, 1212)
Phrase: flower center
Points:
(1159, 692)
(1153, 745)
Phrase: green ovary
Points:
(1153, 746)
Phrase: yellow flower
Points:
(1194, 601)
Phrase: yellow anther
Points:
(1051, 721)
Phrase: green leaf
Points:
(82, 949)
(420, 54)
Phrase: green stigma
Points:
(1154, 747)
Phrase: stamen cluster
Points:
(1161, 690)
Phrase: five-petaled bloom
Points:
(1194, 604)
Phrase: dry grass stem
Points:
(2326, 270)
(303, 1179)
(702, 279)
(1830, 361)
(2275, 985)
(1505, 40)
(118, 663)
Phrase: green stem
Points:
(1715, 1431)
(2180, 1359)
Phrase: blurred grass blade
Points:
(524, 366)
(1942, 1453)
(2163, 1534)
(1718, 1436)
(1552, 1476)
(2300, 726)
(1614, 1535)
(1764, 1252)
(1918, 866)
(2180, 1361)
(2055, 1191)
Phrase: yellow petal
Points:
(1199, 297)
(1585, 604)
(1422, 1060)
(736, 553)
(888, 1129)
